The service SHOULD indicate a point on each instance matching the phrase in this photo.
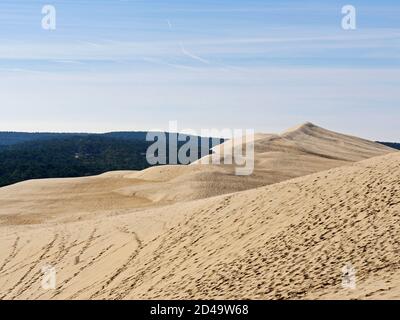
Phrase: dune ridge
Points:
(300, 151)
(285, 240)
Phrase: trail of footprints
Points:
(12, 255)
(292, 262)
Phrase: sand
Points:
(285, 236)
(297, 152)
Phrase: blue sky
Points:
(135, 65)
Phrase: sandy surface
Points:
(117, 236)
(297, 152)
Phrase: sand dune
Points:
(284, 240)
(303, 150)
(297, 152)
(288, 240)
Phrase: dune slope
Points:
(302, 150)
(287, 240)
(297, 152)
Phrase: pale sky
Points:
(264, 65)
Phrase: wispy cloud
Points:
(131, 64)
(191, 55)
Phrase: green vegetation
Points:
(70, 155)
(393, 145)
(11, 138)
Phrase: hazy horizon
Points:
(265, 65)
(166, 130)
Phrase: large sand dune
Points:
(297, 152)
(283, 240)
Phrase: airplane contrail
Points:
(191, 55)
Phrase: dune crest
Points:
(299, 151)
(179, 232)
